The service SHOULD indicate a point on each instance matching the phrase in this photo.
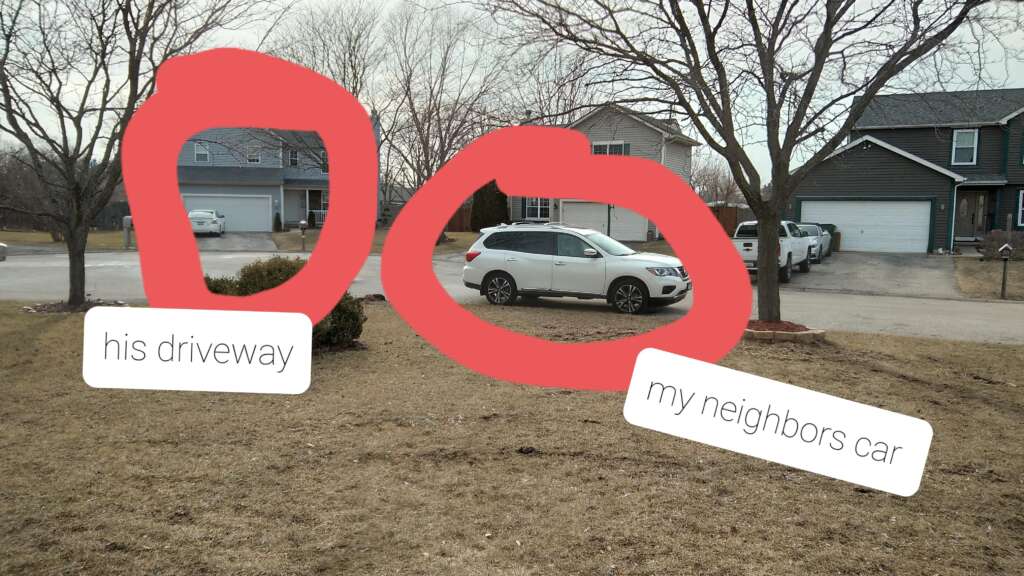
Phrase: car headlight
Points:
(664, 271)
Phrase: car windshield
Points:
(810, 229)
(609, 245)
(201, 213)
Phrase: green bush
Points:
(339, 329)
(278, 226)
(222, 285)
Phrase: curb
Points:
(773, 336)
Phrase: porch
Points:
(309, 204)
(975, 213)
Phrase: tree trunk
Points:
(768, 306)
(75, 238)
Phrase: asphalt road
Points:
(115, 276)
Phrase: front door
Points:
(970, 214)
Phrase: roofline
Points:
(900, 152)
(668, 135)
(1011, 116)
(1001, 122)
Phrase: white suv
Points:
(533, 260)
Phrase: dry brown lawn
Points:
(399, 461)
(98, 239)
(978, 279)
(291, 241)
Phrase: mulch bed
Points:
(782, 326)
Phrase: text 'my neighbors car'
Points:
(206, 222)
(820, 240)
(530, 260)
(794, 248)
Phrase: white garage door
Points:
(242, 213)
(874, 226)
(626, 224)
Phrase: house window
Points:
(965, 146)
(538, 208)
(323, 162)
(615, 148)
(293, 157)
(202, 152)
(252, 155)
(1020, 209)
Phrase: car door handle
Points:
(511, 259)
(557, 263)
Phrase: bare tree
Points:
(549, 85)
(796, 74)
(713, 181)
(72, 72)
(339, 39)
(440, 84)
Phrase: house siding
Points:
(228, 148)
(873, 173)
(936, 146)
(609, 125)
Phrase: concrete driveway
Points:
(910, 275)
(237, 242)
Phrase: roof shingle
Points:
(967, 108)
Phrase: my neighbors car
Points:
(820, 240)
(828, 230)
(532, 260)
(794, 248)
(207, 222)
(3, 251)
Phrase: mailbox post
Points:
(302, 232)
(126, 225)
(1005, 252)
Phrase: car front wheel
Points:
(500, 289)
(629, 297)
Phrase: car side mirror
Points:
(590, 252)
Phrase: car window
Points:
(503, 240)
(810, 229)
(571, 246)
(794, 231)
(610, 245)
(537, 243)
(750, 231)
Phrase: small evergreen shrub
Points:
(311, 219)
(339, 329)
(278, 227)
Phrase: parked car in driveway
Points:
(794, 248)
(207, 222)
(532, 260)
(820, 240)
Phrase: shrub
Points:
(222, 285)
(339, 329)
(278, 227)
(995, 239)
(490, 207)
(311, 219)
(263, 275)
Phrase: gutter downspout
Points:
(951, 214)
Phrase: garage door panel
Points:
(874, 225)
(626, 224)
(243, 213)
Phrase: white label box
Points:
(198, 350)
(778, 422)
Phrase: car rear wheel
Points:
(500, 289)
(629, 297)
(805, 266)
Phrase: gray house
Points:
(251, 175)
(616, 130)
(923, 172)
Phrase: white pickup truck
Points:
(794, 248)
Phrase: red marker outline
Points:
(526, 161)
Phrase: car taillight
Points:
(471, 255)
